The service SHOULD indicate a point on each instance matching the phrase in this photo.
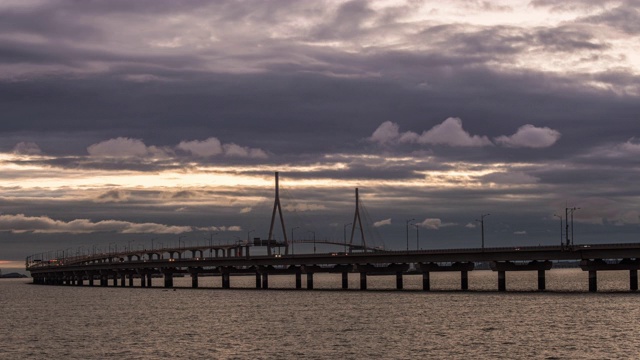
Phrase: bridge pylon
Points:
(358, 221)
(276, 205)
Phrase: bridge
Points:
(122, 268)
(362, 259)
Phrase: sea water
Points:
(564, 322)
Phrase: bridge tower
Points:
(276, 205)
(356, 217)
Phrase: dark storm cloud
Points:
(307, 83)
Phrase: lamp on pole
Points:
(314, 240)
(559, 217)
(417, 236)
(180, 240)
(249, 233)
(569, 241)
(572, 210)
(481, 221)
(344, 228)
(408, 221)
(292, 242)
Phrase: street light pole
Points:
(314, 240)
(417, 236)
(569, 241)
(344, 228)
(292, 242)
(249, 233)
(408, 221)
(559, 217)
(481, 221)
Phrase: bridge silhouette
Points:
(225, 260)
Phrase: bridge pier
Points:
(194, 280)
(399, 283)
(115, 279)
(426, 281)
(123, 279)
(143, 280)
(149, 282)
(130, 279)
(542, 280)
(464, 280)
(593, 281)
(258, 280)
(503, 266)
(309, 281)
(502, 280)
(633, 280)
(363, 281)
(298, 280)
(90, 276)
(168, 279)
(345, 280)
(226, 280)
(265, 281)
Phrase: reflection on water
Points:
(565, 322)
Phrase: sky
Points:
(123, 122)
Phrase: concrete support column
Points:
(168, 279)
(143, 280)
(123, 279)
(80, 281)
(363, 281)
(298, 280)
(426, 281)
(90, 276)
(115, 279)
(130, 280)
(258, 280)
(226, 281)
(593, 281)
(345, 280)
(633, 280)
(309, 281)
(265, 281)
(542, 280)
(502, 281)
(194, 280)
(104, 281)
(464, 280)
(399, 284)
(149, 282)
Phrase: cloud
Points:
(220, 228)
(304, 207)
(27, 148)
(509, 178)
(113, 196)
(205, 148)
(234, 150)
(531, 137)
(523, 232)
(213, 147)
(632, 146)
(119, 147)
(387, 132)
(449, 133)
(42, 224)
(470, 226)
(245, 210)
(382, 223)
(434, 223)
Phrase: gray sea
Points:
(565, 322)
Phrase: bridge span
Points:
(120, 269)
